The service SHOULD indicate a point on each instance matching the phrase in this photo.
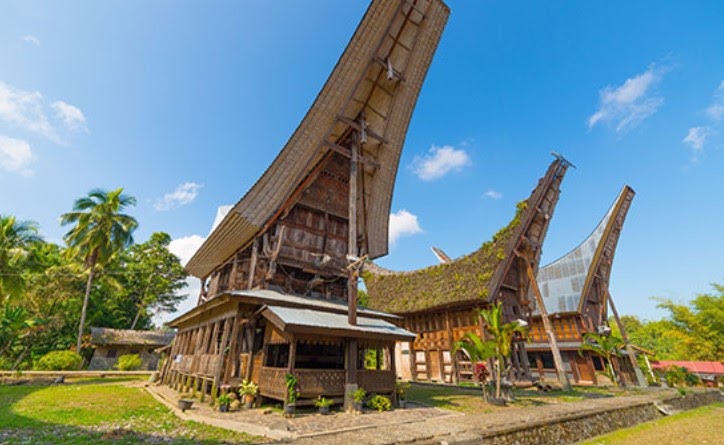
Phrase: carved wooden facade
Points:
(575, 291)
(279, 273)
(440, 303)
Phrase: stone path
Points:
(304, 424)
(417, 424)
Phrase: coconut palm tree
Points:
(100, 231)
(15, 239)
(501, 334)
(604, 346)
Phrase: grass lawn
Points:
(703, 425)
(98, 411)
(470, 399)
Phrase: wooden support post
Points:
(233, 354)
(413, 362)
(631, 354)
(451, 341)
(562, 376)
(222, 352)
(352, 248)
(292, 354)
(252, 263)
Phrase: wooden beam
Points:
(562, 376)
(346, 152)
(631, 354)
(359, 129)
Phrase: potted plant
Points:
(323, 404)
(223, 401)
(380, 403)
(401, 391)
(292, 394)
(359, 396)
(248, 390)
(185, 404)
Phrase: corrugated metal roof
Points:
(295, 317)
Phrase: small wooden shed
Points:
(109, 344)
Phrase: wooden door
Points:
(434, 365)
(585, 369)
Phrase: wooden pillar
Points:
(292, 354)
(252, 263)
(251, 334)
(631, 354)
(453, 356)
(233, 354)
(562, 376)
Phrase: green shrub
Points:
(129, 362)
(59, 361)
(380, 403)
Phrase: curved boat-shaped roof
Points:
(475, 277)
(376, 82)
(566, 281)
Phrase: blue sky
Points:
(186, 103)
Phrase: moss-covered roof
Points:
(462, 281)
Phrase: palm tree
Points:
(604, 346)
(15, 239)
(479, 351)
(501, 334)
(100, 231)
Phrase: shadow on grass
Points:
(16, 428)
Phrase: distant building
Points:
(110, 344)
(711, 373)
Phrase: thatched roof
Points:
(474, 278)
(107, 336)
(464, 280)
(359, 83)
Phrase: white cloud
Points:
(696, 138)
(492, 194)
(15, 155)
(28, 110)
(629, 104)
(25, 110)
(439, 162)
(71, 116)
(183, 195)
(185, 247)
(403, 223)
(31, 39)
(716, 110)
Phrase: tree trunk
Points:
(20, 359)
(497, 378)
(135, 320)
(85, 307)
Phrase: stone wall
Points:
(575, 428)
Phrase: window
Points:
(547, 359)
(112, 353)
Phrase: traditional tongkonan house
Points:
(574, 291)
(440, 302)
(279, 273)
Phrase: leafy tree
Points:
(100, 231)
(479, 351)
(606, 347)
(152, 277)
(16, 237)
(501, 335)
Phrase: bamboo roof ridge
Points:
(372, 89)
(475, 277)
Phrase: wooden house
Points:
(440, 303)
(574, 290)
(109, 344)
(279, 273)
